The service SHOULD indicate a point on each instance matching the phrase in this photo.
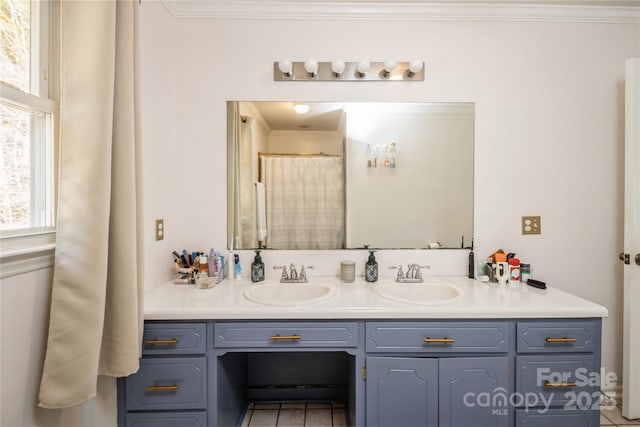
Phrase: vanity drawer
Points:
(167, 419)
(560, 379)
(174, 338)
(285, 335)
(557, 337)
(438, 337)
(557, 417)
(168, 383)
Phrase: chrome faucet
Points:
(413, 275)
(293, 276)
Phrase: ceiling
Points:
(322, 116)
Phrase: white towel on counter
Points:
(261, 211)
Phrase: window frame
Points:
(17, 244)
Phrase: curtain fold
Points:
(305, 201)
(241, 156)
(95, 325)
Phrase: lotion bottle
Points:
(371, 268)
(257, 268)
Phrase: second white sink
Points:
(289, 294)
(420, 293)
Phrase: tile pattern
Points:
(295, 414)
(332, 414)
(612, 416)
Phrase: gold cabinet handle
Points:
(439, 340)
(285, 337)
(155, 387)
(156, 341)
(567, 384)
(563, 339)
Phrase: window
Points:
(27, 115)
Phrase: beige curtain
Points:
(95, 325)
(305, 201)
(242, 160)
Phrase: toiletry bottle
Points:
(212, 263)
(203, 264)
(471, 262)
(236, 266)
(371, 268)
(257, 268)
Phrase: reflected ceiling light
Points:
(363, 67)
(311, 67)
(301, 108)
(285, 66)
(415, 66)
(337, 67)
(389, 66)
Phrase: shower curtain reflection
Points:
(242, 173)
(304, 201)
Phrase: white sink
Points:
(289, 294)
(420, 293)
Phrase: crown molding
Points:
(582, 11)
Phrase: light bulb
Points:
(389, 65)
(285, 66)
(363, 67)
(415, 66)
(337, 67)
(311, 66)
(301, 108)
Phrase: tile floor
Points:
(294, 414)
(613, 417)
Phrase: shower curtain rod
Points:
(321, 154)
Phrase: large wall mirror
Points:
(336, 175)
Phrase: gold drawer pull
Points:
(155, 341)
(563, 339)
(155, 387)
(286, 337)
(440, 340)
(567, 384)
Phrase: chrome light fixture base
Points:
(376, 72)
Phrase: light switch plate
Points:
(531, 225)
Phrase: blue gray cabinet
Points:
(441, 384)
(394, 372)
(557, 362)
(170, 389)
(402, 391)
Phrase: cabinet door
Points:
(402, 392)
(474, 391)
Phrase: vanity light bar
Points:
(285, 70)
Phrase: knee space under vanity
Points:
(311, 380)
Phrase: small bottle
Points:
(371, 268)
(257, 268)
(237, 268)
(212, 263)
(204, 264)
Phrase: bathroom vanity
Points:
(496, 357)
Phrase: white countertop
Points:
(357, 300)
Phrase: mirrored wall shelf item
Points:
(349, 71)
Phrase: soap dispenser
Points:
(371, 268)
(257, 268)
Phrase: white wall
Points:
(25, 318)
(428, 195)
(549, 125)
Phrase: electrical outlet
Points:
(531, 225)
(159, 229)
